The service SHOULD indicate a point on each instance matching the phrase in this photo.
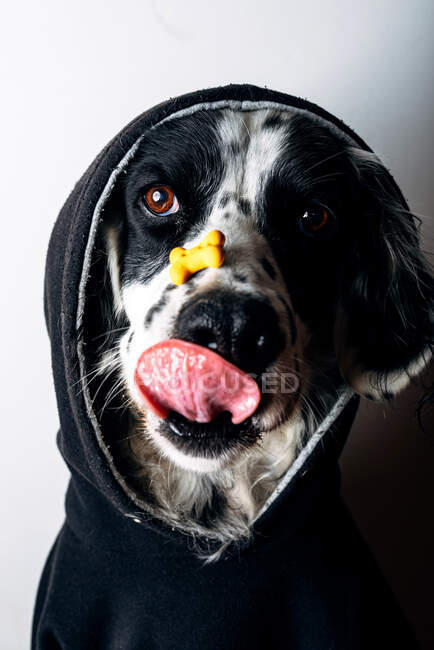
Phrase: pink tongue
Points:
(194, 381)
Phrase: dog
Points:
(249, 237)
(324, 288)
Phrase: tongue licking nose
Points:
(192, 380)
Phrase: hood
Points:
(72, 278)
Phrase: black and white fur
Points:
(353, 306)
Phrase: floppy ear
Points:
(384, 322)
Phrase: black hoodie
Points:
(117, 578)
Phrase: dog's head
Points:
(323, 281)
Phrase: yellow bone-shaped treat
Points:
(185, 262)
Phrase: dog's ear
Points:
(384, 321)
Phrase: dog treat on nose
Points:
(194, 381)
(185, 262)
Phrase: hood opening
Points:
(111, 421)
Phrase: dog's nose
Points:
(242, 329)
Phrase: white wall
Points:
(72, 74)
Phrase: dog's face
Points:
(315, 279)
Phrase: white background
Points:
(73, 74)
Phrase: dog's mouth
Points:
(206, 406)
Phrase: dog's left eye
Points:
(316, 220)
(160, 200)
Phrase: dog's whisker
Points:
(93, 374)
(112, 394)
(112, 331)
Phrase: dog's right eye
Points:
(160, 200)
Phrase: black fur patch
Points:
(272, 121)
(185, 154)
(245, 207)
(155, 309)
(268, 268)
(224, 200)
(234, 148)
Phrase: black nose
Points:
(242, 329)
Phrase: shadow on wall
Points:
(388, 483)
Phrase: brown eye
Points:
(316, 220)
(161, 200)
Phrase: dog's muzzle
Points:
(222, 343)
